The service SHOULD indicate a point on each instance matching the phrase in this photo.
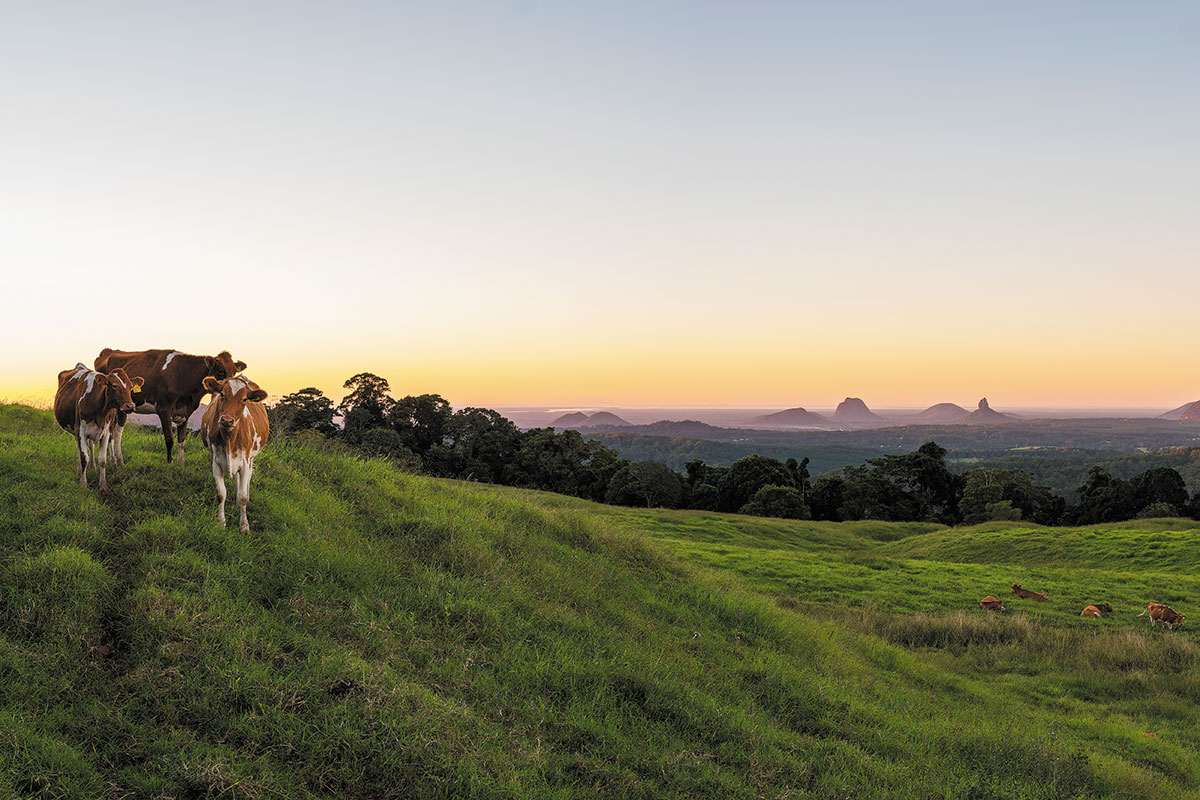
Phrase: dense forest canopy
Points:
(424, 433)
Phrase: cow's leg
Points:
(102, 456)
(243, 493)
(91, 453)
(114, 444)
(181, 432)
(219, 477)
(164, 419)
(81, 443)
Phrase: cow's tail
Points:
(1144, 613)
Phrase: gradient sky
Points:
(642, 203)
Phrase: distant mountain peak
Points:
(1185, 411)
(942, 413)
(985, 414)
(792, 418)
(853, 409)
(578, 419)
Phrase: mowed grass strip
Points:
(385, 635)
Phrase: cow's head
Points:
(232, 396)
(1016, 588)
(118, 390)
(223, 366)
(1105, 607)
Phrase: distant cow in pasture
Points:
(990, 603)
(86, 404)
(1019, 592)
(1097, 610)
(234, 429)
(1162, 615)
(173, 387)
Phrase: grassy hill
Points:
(383, 635)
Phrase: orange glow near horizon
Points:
(672, 378)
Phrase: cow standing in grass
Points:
(173, 387)
(234, 429)
(1162, 615)
(87, 404)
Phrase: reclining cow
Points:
(1096, 610)
(87, 404)
(1019, 592)
(990, 603)
(1162, 615)
(234, 429)
(173, 387)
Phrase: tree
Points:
(913, 487)
(477, 443)
(649, 483)
(1103, 498)
(828, 494)
(307, 409)
(562, 462)
(703, 497)
(986, 486)
(746, 476)
(366, 406)
(1002, 510)
(777, 501)
(421, 421)
(1162, 486)
(800, 477)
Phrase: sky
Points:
(611, 203)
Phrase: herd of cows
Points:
(1159, 614)
(94, 404)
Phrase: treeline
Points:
(424, 433)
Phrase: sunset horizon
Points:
(614, 205)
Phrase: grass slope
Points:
(384, 635)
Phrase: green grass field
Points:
(383, 635)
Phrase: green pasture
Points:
(379, 634)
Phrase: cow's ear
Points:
(211, 384)
(257, 395)
(138, 382)
(240, 366)
(208, 362)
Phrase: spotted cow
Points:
(173, 387)
(234, 429)
(87, 404)
(1162, 615)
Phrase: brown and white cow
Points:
(990, 603)
(1096, 610)
(86, 404)
(173, 387)
(234, 429)
(1019, 592)
(1162, 615)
